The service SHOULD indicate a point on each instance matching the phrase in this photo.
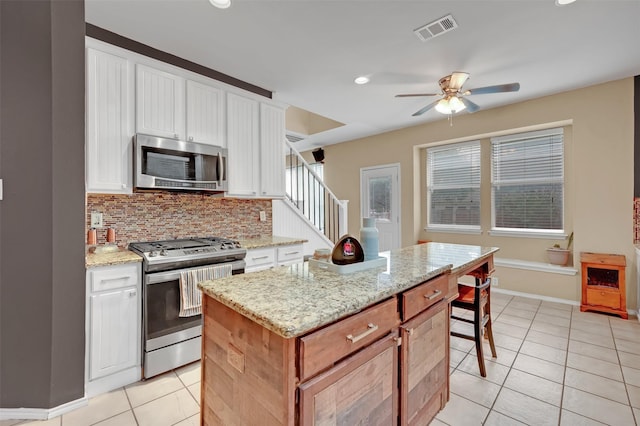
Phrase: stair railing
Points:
(307, 191)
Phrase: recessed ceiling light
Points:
(222, 4)
(361, 80)
(563, 2)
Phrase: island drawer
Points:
(421, 297)
(326, 346)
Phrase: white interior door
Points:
(380, 198)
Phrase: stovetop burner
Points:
(183, 252)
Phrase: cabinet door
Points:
(205, 114)
(242, 143)
(109, 122)
(114, 331)
(361, 390)
(425, 365)
(272, 161)
(159, 103)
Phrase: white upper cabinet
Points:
(110, 119)
(243, 145)
(159, 103)
(272, 161)
(205, 114)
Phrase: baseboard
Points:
(631, 312)
(42, 413)
(534, 296)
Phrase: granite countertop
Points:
(119, 257)
(292, 300)
(269, 241)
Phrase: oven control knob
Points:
(153, 254)
(163, 252)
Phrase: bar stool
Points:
(476, 298)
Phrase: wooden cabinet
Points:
(361, 390)
(159, 103)
(425, 360)
(603, 283)
(259, 259)
(113, 327)
(367, 368)
(109, 118)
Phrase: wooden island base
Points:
(345, 373)
(301, 346)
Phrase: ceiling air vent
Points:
(436, 28)
(294, 138)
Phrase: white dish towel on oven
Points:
(190, 295)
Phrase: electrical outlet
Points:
(96, 220)
(263, 216)
(494, 281)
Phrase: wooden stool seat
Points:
(476, 298)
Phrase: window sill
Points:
(474, 231)
(526, 234)
(535, 266)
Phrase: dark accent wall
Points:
(143, 49)
(42, 284)
(636, 137)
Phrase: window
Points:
(527, 181)
(453, 186)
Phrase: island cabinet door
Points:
(424, 365)
(361, 390)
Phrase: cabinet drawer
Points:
(610, 299)
(288, 254)
(260, 257)
(324, 347)
(112, 277)
(421, 297)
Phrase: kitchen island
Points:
(303, 345)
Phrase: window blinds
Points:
(527, 179)
(453, 185)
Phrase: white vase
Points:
(369, 238)
(558, 256)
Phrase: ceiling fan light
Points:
(456, 104)
(563, 2)
(221, 4)
(443, 106)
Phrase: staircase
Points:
(310, 210)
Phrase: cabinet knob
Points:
(175, 135)
(190, 138)
(132, 293)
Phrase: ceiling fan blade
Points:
(457, 80)
(471, 107)
(425, 109)
(408, 95)
(500, 88)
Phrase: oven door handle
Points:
(161, 277)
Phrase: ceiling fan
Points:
(453, 97)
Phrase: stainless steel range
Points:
(169, 340)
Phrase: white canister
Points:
(369, 238)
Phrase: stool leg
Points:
(477, 331)
(489, 334)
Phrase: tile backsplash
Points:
(167, 215)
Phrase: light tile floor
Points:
(555, 366)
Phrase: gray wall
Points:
(42, 286)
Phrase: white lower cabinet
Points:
(114, 326)
(259, 259)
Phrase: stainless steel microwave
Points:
(162, 163)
